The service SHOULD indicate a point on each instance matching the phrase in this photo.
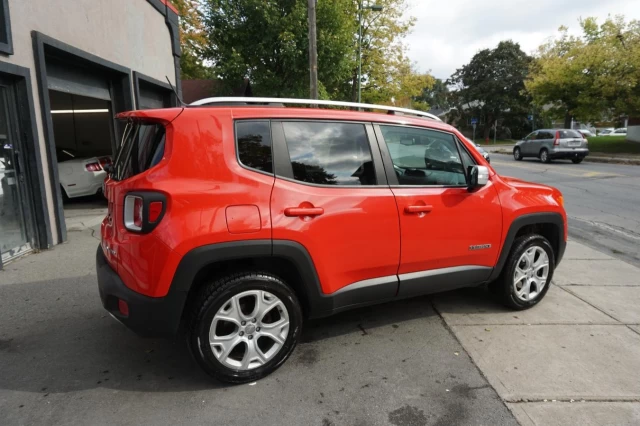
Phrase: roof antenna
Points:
(175, 92)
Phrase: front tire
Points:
(527, 274)
(244, 326)
(544, 156)
(517, 155)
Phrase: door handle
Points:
(303, 211)
(417, 209)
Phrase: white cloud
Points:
(447, 34)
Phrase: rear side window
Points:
(567, 134)
(254, 145)
(142, 147)
(329, 153)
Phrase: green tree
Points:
(193, 40)
(591, 76)
(267, 41)
(436, 96)
(492, 84)
(388, 76)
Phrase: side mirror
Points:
(406, 140)
(478, 176)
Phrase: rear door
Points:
(332, 197)
(544, 139)
(528, 145)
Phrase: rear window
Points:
(329, 153)
(142, 147)
(568, 134)
(254, 145)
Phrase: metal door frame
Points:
(25, 195)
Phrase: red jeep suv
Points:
(229, 224)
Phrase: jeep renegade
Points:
(231, 224)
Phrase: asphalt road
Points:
(64, 360)
(602, 200)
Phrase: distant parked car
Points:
(586, 133)
(81, 176)
(550, 144)
(604, 132)
(484, 153)
(622, 131)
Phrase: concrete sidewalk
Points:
(573, 359)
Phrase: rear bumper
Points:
(569, 153)
(148, 316)
(89, 184)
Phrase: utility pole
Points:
(359, 51)
(313, 51)
(361, 8)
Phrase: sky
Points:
(448, 33)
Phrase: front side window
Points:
(254, 145)
(329, 153)
(531, 136)
(467, 160)
(424, 157)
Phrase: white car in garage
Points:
(81, 176)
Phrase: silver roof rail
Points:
(390, 109)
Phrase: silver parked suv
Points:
(550, 144)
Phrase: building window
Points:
(6, 45)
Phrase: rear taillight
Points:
(155, 209)
(133, 212)
(123, 307)
(556, 141)
(93, 167)
(143, 211)
(105, 161)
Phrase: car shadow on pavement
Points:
(367, 319)
(56, 337)
(97, 201)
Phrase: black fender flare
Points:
(198, 258)
(525, 220)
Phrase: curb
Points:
(592, 159)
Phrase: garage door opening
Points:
(83, 133)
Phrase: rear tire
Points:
(544, 156)
(577, 160)
(234, 345)
(517, 155)
(525, 279)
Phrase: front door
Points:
(15, 235)
(331, 197)
(450, 237)
(528, 147)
